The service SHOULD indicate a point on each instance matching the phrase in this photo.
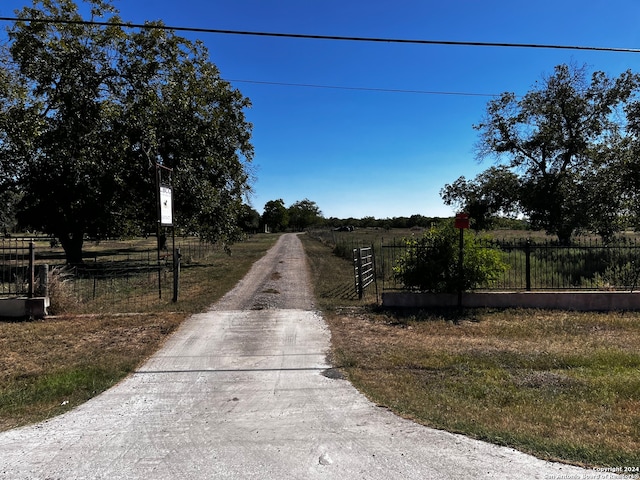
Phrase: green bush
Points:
(430, 262)
(616, 276)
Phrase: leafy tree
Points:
(9, 200)
(555, 140)
(12, 123)
(626, 167)
(430, 263)
(304, 214)
(494, 193)
(249, 219)
(276, 215)
(98, 108)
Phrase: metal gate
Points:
(364, 266)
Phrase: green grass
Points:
(560, 385)
(51, 393)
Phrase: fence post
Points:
(176, 273)
(527, 265)
(375, 271)
(43, 281)
(32, 261)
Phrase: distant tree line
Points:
(304, 214)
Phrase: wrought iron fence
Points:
(112, 278)
(16, 267)
(129, 280)
(584, 265)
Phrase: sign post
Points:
(165, 219)
(461, 223)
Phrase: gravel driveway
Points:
(239, 392)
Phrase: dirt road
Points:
(238, 392)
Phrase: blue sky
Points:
(360, 153)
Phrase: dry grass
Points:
(50, 366)
(560, 385)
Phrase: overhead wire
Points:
(365, 89)
(161, 26)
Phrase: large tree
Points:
(626, 167)
(12, 123)
(100, 109)
(276, 215)
(304, 214)
(557, 140)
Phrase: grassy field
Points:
(560, 385)
(47, 367)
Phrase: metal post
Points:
(375, 272)
(176, 273)
(527, 265)
(360, 277)
(460, 268)
(32, 261)
(158, 228)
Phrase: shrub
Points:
(618, 276)
(431, 262)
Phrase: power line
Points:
(366, 89)
(160, 26)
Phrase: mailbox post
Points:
(461, 223)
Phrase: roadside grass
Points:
(560, 385)
(50, 366)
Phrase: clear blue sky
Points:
(363, 153)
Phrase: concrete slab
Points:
(579, 301)
(24, 307)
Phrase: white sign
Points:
(166, 209)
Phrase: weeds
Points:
(61, 297)
(569, 396)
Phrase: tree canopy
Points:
(89, 111)
(298, 216)
(303, 214)
(557, 150)
(276, 215)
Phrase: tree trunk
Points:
(564, 236)
(72, 245)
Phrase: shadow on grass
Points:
(455, 315)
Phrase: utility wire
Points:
(160, 26)
(366, 89)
